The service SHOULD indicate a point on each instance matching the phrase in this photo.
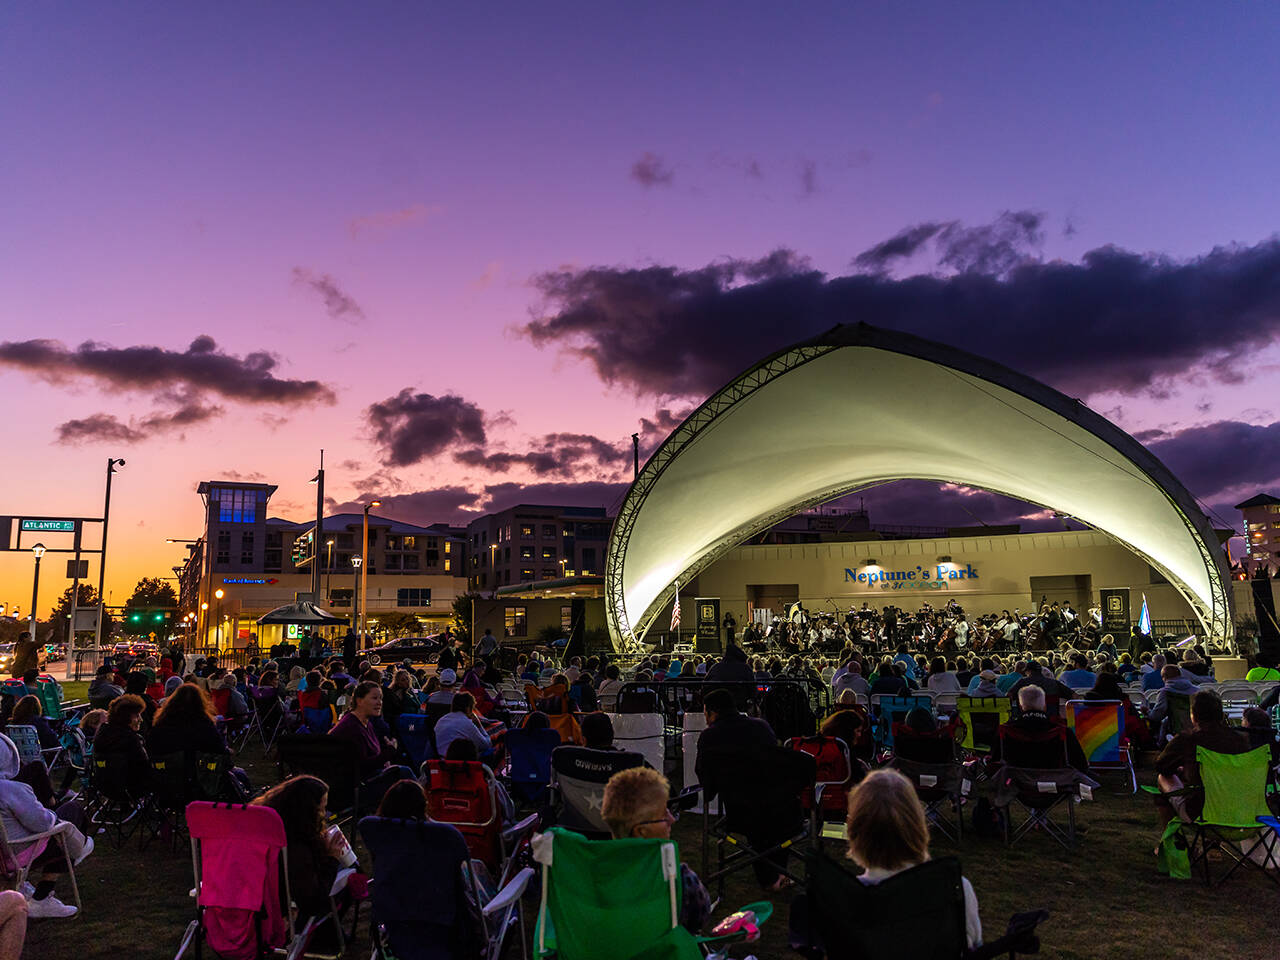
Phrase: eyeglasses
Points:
(670, 818)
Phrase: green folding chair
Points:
(618, 899)
(1234, 798)
(982, 718)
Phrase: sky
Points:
(468, 252)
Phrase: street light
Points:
(356, 562)
(219, 593)
(328, 573)
(38, 550)
(364, 552)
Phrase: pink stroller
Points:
(240, 862)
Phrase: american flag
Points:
(675, 611)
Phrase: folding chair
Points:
(16, 857)
(529, 763)
(916, 913)
(1099, 726)
(177, 781)
(890, 710)
(982, 718)
(929, 761)
(641, 733)
(1236, 820)
(1036, 775)
(27, 739)
(428, 918)
(834, 774)
(267, 717)
(461, 793)
(759, 791)
(334, 760)
(1178, 716)
(616, 898)
(240, 858)
(318, 720)
(415, 733)
(49, 692)
(120, 806)
(578, 778)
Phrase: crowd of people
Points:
(168, 705)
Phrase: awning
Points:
(304, 613)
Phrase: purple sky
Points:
(369, 194)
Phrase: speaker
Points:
(1264, 608)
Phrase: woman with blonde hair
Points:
(887, 833)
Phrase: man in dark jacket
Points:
(24, 654)
(1034, 722)
(732, 667)
(739, 760)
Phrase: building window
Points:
(517, 622)
(548, 573)
(506, 551)
(413, 597)
(237, 506)
(566, 620)
(340, 598)
(526, 531)
(272, 560)
(393, 543)
(224, 546)
(448, 564)
(548, 553)
(526, 574)
(588, 560)
(411, 543)
(412, 561)
(246, 547)
(393, 561)
(548, 531)
(526, 553)
(448, 546)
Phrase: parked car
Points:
(6, 658)
(413, 649)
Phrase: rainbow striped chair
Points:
(1099, 726)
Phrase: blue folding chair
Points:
(894, 710)
(529, 752)
(415, 731)
(317, 719)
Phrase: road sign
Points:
(82, 572)
(48, 526)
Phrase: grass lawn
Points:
(1106, 899)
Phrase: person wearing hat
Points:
(985, 685)
(448, 682)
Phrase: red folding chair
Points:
(836, 774)
(462, 793)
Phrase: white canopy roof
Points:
(860, 406)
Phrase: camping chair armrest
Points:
(1180, 792)
(518, 830)
(510, 893)
(1020, 937)
(58, 830)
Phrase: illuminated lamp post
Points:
(219, 593)
(356, 562)
(364, 576)
(328, 572)
(38, 551)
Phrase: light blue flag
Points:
(1144, 621)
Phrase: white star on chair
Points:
(596, 801)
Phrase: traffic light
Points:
(140, 621)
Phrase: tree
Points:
(397, 623)
(462, 612)
(152, 592)
(62, 610)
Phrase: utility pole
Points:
(318, 539)
(112, 463)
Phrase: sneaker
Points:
(28, 890)
(49, 908)
(88, 849)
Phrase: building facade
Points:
(259, 563)
(1261, 530)
(530, 543)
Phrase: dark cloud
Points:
(1114, 321)
(993, 249)
(652, 171)
(585, 493)
(555, 453)
(458, 505)
(808, 178)
(450, 504)
(105, 428)
(201, 368)
(337, 302)
(1221, 456)
(413, 426)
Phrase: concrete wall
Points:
(987, 574)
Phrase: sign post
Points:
(1115, 614)
(708, 624)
